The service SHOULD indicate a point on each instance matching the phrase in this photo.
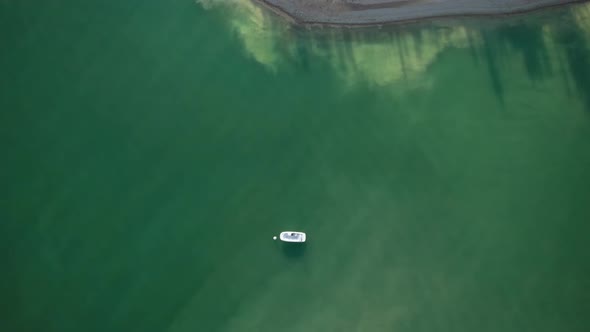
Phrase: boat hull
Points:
(292, 236)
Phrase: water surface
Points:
(151, 149)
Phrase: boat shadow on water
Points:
(294, 250)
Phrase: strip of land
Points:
(377, 12)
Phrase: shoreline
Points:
(381, 16)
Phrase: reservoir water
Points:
(152, 149)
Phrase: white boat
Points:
(291, 236)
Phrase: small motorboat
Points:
(291, 236)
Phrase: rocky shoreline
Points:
(382, 12)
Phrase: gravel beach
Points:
(375, 12)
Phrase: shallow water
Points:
(152, 149)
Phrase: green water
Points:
(151, 149)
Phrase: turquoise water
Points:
(151, 149)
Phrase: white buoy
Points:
(274, 238)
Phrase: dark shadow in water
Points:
(489, 49)
(527, 39)
(577, 55)
(494, 43)
(303, 54)
(473, 47)
(527, 36)
(416, 36)
(401, 55)
(294, 250)
(347, 51)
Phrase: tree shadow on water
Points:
(528, 40)
(493, 67)
(517, 37)
(577, 55)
